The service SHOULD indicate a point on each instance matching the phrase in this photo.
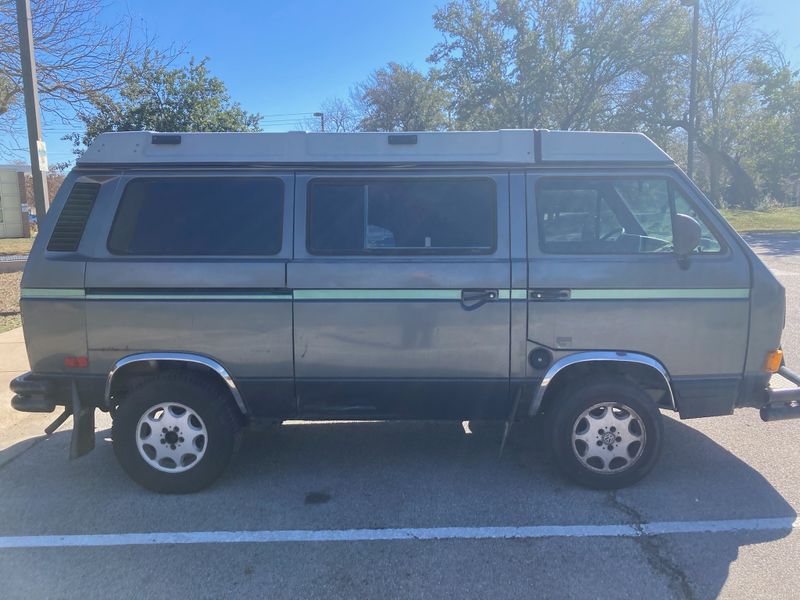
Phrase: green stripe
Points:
(661, 294)
(407, 294)
(59, 293)
(513, 294)
(188, 297)
(377, 294)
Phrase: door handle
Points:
(472, 299)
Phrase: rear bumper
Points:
(783, 404)
(78, 395)
(32, 394)
(42, 392)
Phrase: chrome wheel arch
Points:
(177, 357)
(599, 357)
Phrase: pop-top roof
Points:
(507, 146)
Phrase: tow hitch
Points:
(783, 404)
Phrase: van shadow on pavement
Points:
(412, 474)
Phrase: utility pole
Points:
(695, 4)
(321, 120)
(35, 143)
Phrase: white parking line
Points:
(623, 530)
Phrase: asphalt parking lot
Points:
(416, 510)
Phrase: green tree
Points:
(155, 97)
(7, 93)
(400, 98)
(623, 65)
(772, 130)
(559, 64)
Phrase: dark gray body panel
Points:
(54, 328)
(166, 304)
(409, 344)
(694, 338)
(403, 357)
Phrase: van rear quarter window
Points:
(220, 216)
(411, 216)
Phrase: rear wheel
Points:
(176, 433)
(605, 434)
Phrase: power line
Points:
(288, 114)
(281, 120)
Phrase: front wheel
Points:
(176, 433)
(606, 434)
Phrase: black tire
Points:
(573, 457)
(210, 402)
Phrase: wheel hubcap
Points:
(608, 438)
(171, 437)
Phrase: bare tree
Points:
(341, 116)
(78, 56)
(729, 44)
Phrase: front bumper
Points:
(78, 395)
(783, 404)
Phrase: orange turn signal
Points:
(774, 361)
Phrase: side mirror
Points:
(686, 235)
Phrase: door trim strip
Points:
(51, 293)
(411, 294)
(377, 294)
(658, 294)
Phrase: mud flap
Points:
(512, 416)
(82, 441)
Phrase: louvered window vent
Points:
(72, 220)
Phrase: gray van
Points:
(195, 284)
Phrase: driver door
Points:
(605, 277)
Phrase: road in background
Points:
(388, 477)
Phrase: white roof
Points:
(507, 146)
(16, 168)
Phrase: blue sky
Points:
(284, 57)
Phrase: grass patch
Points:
(9, 246)
(9, 301)
(755, 221)
(9, 322)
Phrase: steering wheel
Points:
(616, 232)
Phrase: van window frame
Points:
(400, 252)
(672, 187)
(179, 175)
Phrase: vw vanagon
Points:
(193, 284)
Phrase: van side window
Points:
(410, 216)
(214, 216)
(611, 216)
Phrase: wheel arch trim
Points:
(599, 356)
(177, 357)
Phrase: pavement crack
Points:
(654, 552)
